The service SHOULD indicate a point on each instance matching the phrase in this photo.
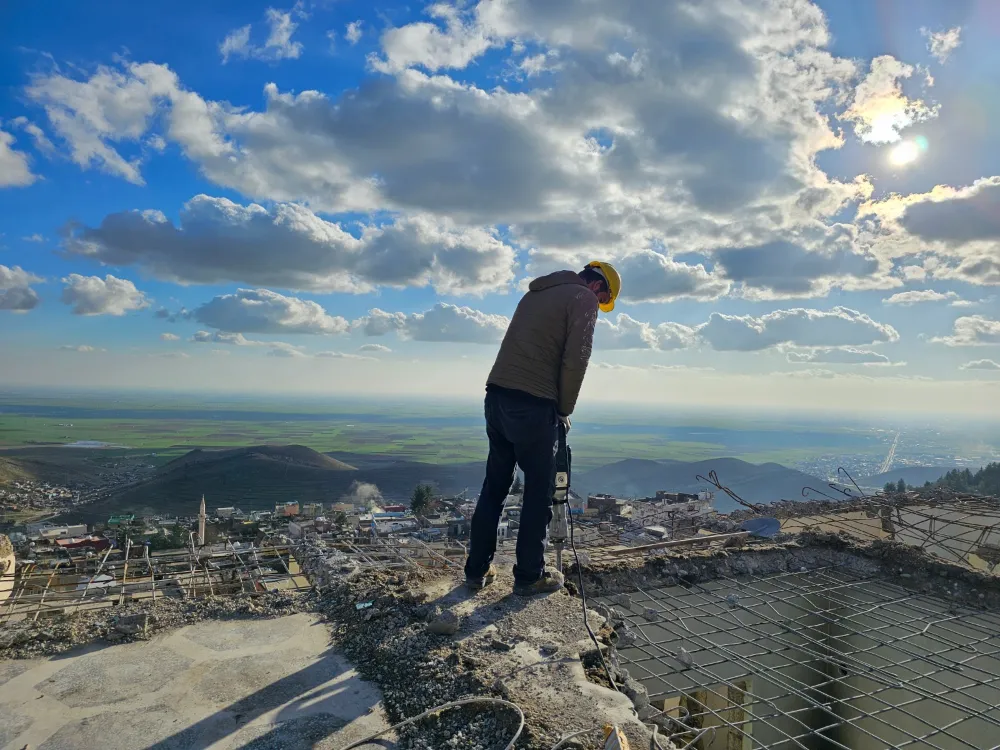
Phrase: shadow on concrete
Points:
(314, 703)
(318, 704)
(485, 613)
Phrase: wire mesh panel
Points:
(820, 659)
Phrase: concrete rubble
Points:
(426, 640)
(422, 639)
(49, 635)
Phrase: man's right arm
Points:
(576, 352)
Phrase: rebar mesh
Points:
(820, 659)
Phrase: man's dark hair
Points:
(588, 274)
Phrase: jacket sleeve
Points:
(576, 352)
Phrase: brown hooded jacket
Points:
(547, 346)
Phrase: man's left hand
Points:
(564, 421)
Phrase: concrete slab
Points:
(220, 685)
(113, 674)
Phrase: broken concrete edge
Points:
(905, 565)
(53, 634)
(422, 652)
(935, 496)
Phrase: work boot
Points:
(485, 580)
(549, 582)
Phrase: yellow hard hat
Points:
(614, 281)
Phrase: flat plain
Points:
(164, 426)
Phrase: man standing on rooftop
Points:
(531, 389)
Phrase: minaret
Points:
(201, 523)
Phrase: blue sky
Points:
(346, 197)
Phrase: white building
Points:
(51, 531)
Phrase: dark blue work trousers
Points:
(522, 430)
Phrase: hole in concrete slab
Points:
(822, 659)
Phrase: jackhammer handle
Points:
(562, 451)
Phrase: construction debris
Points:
(840, 625)
(491, 643)
(55, 634)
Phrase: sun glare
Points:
(907, 152)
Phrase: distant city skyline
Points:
(349, 198)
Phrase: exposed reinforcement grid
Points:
(819, 659)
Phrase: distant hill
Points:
(59, 464)
(11, 471)
(292, 455)
(257, 477)
(756, 483)
(912, 475)
(253, 477)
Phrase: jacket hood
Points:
(556, 279)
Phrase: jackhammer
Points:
(559, 525)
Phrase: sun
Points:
(905, 153)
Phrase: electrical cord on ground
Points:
(583, 599)
(443, 707)
(568, 737)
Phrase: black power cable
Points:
(579, 568)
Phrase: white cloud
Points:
(374, 348)
(219, 241)
(628, 333)
(16, 294)
(342, 355)
(942, 43)
(171, 355)
(660, 127)
(653, 277)
(956, 230)
(237, 42)
(428, 45)
(34, 238)
(912, 273)
(83, 348)
(275, 348)
(880, 109)
(92, 295)
(217, 337)
(800, 327)
(919, 295)
(277, 46)
(810, 372)
(169, 337)
(972, 330)
(264, 311)
(111, 106)
(443, 322)
(354, 31)
(42, 142)
(845, 356)
(280, 349)
(981, 364)
(14, 168)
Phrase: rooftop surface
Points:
(275, 683)
(875, 624)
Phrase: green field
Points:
(427, 431)
(172, 437)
